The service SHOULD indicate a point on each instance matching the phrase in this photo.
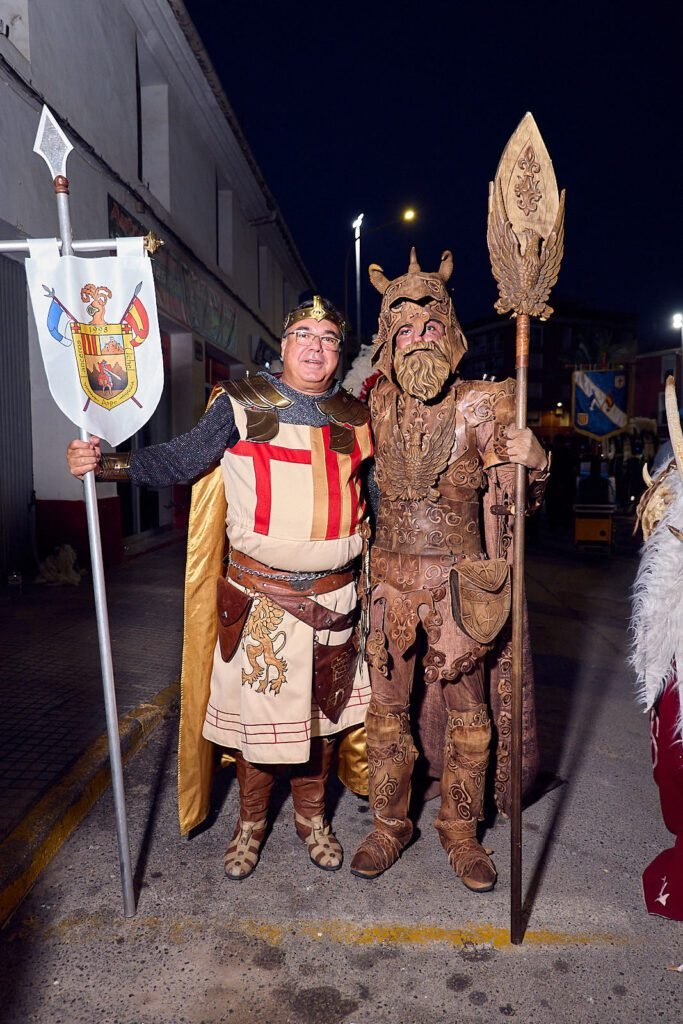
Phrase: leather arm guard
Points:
(114, 466)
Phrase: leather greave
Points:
(391, 756)
(466, 758)
(308, 782)
(255, 787)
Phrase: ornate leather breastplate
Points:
(429, 502)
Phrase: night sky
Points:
(356, 108)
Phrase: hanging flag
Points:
(104, 310)
(137, 320)
(58, 323)
(599, 402)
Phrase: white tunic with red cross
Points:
(293, 504)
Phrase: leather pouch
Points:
(232, 606)
(334, 670)
(480, 597)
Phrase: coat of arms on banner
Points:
(599, 402)
(105, 352)
(112, 383)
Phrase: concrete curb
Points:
(34, 842)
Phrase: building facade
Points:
(156, 147)
(571, 338)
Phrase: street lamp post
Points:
(356, 227)
(678, 323)
(407, 215)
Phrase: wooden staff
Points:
(525, 236)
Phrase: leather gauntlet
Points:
(114, 466)
(536, 487)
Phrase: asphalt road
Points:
(296, 944)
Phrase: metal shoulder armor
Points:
(261, 400)
(344, 413)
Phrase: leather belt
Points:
(262, 578)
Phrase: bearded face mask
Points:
(409, 304)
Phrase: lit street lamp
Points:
(407, 215)
(678, 323)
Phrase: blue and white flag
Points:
(58, 321)
(599, 402)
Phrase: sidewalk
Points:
(51, 690)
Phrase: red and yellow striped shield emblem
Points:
(106, 362)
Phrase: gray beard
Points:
(422, 373)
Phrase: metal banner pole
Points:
(53, 146)
(525, 236)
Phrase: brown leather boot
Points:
(466, 758)
(308, 795)
(244, 849)
(391, 756)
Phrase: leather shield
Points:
(480, 597)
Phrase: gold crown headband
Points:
(315, 311)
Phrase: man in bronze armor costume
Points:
(444, 451)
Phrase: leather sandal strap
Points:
(324, 848)
(242, 853)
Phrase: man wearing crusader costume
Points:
(273, 675)
(444, 450)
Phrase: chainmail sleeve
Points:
(185, 457)
(371, 490)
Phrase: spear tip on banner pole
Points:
(52, 144)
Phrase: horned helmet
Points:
(415, 296)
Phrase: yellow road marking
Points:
(178, 930)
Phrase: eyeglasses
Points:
(329, 341)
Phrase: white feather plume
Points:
(657, 616)
(361, 368)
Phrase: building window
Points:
(14, 24)
(154, 164)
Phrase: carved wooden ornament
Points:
(525, 232)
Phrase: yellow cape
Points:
(196, 755)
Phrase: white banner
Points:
(99, 335)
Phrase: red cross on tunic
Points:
(262, 454)
(338, 505)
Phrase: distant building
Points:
(157, 147)
(571, 337)
(652, 369)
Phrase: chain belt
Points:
(293, 577)
(243, 568)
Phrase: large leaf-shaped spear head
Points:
(525, 232)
